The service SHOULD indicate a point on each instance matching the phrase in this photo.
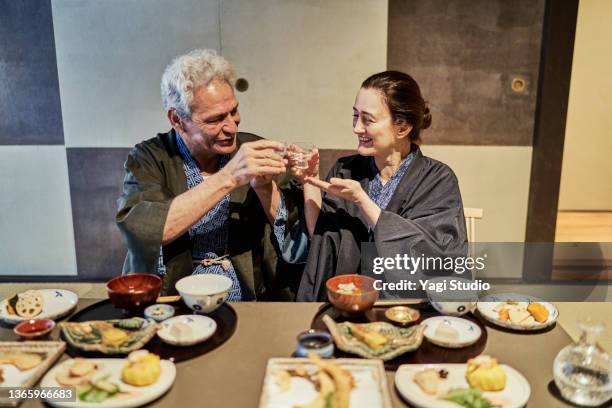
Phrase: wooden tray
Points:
(426, 354)
(225, 317)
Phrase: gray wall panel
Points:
(111, 55)
(465, 55)
(96, 179)
(305, 61)
(36, 234)
(30, 112)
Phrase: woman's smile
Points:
(365, 141)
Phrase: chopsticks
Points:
(168, 299)
(398, 302)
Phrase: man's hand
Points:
(261, 181)
(261, 159)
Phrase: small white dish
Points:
(57, 303)
(469, 332)
(487, 304)
(204, 293)
(514, 395)
(200, 329)
(159, 312)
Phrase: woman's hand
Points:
(346, 189)
(350, 190)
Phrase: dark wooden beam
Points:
(549, 131)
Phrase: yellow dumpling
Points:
(484, 373)
(143, 368)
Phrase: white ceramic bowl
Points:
(204, 293)
(452, 302)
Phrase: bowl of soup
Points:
(134, 292)
(352, 294)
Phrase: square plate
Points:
(371, 390)
(13, 377)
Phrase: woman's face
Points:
(373, 125)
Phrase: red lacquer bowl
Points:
(134, 292)
(362, 298)
(30, 329)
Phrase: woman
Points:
(388, 193)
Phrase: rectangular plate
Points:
(27, 379)
(371, 390)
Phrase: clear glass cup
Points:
(299, 153)
(582, 370)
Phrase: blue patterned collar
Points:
(189, 160)
(399, 173)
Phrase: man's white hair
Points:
(187, 72)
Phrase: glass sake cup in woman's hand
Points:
(303, 159)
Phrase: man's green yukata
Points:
(154, 176)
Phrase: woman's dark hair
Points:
(403, 97)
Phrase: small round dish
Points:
(451, 332)
(159, 312)
(402, 314)
(314, 341)
(187, 330)
(30, 329)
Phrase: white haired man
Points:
(202, 198)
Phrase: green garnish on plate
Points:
(98, 391)
(468, 398)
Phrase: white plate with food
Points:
(356, 383)
(518, 312)
(451, 332)
(186, 330)
(451, 386)
(113, 382)
(38, 304)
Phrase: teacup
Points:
(452, 302)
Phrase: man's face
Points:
(214, 121)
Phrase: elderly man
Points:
(202, 198)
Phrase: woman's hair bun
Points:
(426, 118)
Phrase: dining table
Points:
(232, 374)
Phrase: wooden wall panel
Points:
(465, 54)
